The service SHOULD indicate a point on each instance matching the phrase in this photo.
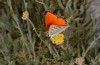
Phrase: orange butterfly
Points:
(54, 24)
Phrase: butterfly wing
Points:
(55, 29)
(60, 22)
(49, 19)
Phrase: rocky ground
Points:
(94, 11)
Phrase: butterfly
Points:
(54, 24)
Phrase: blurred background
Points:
(21, 44)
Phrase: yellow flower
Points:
(25, 15)
(58, 39)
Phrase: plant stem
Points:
(35, 30)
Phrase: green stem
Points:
(35, 30)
